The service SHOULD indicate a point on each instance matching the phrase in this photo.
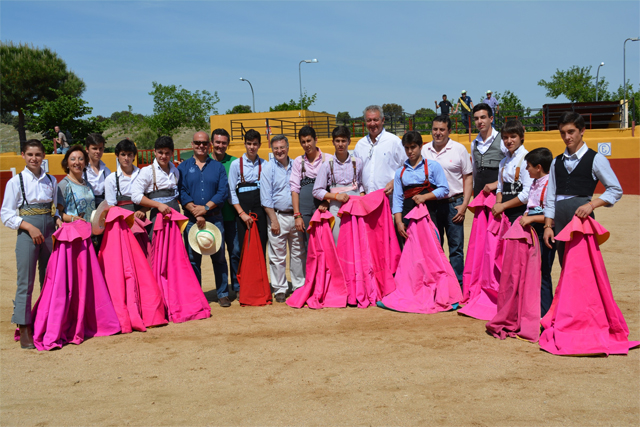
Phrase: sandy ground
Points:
(277, 366)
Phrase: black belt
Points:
(451, 199)
(484, 168)
(290, 212)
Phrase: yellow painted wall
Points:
(8, 161)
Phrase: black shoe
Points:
(281, 297)
(224, 302)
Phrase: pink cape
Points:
(324, 284)
(584, 319)
(142, 236)
(134, 291)
(483, 292)
(425, 281)
(519, 293)
(181, 291)
(368, 248)
(74, 304)
(481, 207)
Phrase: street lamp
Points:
(252, 95)
(624, 68)
(308, 61)
(597, 74)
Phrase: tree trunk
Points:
(21, 131)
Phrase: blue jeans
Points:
(455, 235)
(233, 249)
(218, 259)
(61, 150)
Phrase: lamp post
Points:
(308, 61)
(624, 68)
(252, 95)
(597, 74)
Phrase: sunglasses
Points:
(200, 142)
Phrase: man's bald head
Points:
(201, 136)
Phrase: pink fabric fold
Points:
(425, 281)
(480, 206)
(324, 284)
(181, 291)
(135, 294)
(483, 293)
(584, 319)
(518, 307)
(74, 303)
(368, 248)
(142, 236)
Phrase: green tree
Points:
(576, 84)
(343, 117)
(239, 109)
(31, 74)
(175, 107)
(392, 110)
(423, 118)
(294, 105)
(65, 111)
(633, 98)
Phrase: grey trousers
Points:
(28, 256)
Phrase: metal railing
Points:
(288, 126)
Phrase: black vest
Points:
(580, 182)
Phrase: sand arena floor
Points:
(276, 366)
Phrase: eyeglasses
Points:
(200, 142)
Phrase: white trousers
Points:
(277, 250)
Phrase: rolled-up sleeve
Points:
(603, 171)
(320, 186)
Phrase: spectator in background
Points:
(445, 106)
(493, 103)
(60, 142)
(467, 105)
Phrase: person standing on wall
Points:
(467, 105)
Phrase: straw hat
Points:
(206, 241)
(98, 217)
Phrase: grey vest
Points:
(492, 157)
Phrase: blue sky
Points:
(369, 52)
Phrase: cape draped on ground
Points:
(181, 291)
(584, 318)
(425, 281)
(483, 293)
(74, 303)
(134, 291)
(255, 288)
(519, 293)
(324, 284)
(368, 248)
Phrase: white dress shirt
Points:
(507, 173)
(38, 189)
(126, 184)
(601, 170)
(96, 180)
(144, 182)
(379, 160)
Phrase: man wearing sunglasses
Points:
(203, 189)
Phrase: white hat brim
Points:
(98, 217)
(193, 241)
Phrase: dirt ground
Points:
(277, 366)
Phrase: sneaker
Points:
(224, 302)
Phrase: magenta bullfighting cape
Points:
(142, 236)
(324, 284)
(425, 281)
(483, 294)
(74, 303)
(181, 291)
(584, 318)
(480, 206)
(519, 293)
(368, 248)
(134, 291)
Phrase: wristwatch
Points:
(206, 208)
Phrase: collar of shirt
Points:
(516, 154)
(378, 138)
(317, 160)
(288, 167)
(101, 168)
(246, 159)
(577, 155)
(134, 173)
(446, 147)
(172, 168)
(40, 177)
(407, 164)
(347, 160)
(489, 140)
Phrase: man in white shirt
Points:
(487, 150)
(450, 212)
(381, 153)
(96, 171)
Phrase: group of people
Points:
(465, 106)
(362, 227)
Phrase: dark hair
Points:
(307, 131)
(483, 106)
(341, 132)
(412, 137)
(32, 143)
(164, 142)
(252, 135)
(222, 132)
(444, 95)
(571, 117)
(65, 160)
(94, 139)
(126, 146)
(540, 156)
(442, 119)
(513, 126)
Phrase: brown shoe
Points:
(26, 337)
(224, 302)
(281, 297)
